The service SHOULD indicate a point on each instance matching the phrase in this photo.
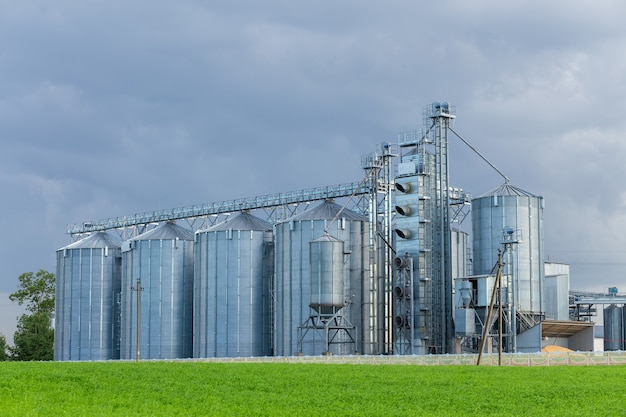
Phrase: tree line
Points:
(34, 338)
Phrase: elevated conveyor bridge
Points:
(277, 206)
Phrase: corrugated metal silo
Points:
(162, 259)
(509, 214)
(292, 286)
(233, 271)
(88, 281)
(327, 274)
(613, 328)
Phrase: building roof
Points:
(557, 328)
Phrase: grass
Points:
(283, 389)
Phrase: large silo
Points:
(292, 282)
(613, 328)
(157, 267)
(512, 219)
(233, 271)
(88, 280)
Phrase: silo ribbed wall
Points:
(292, 279)
(233, 264)
(163, 260)
(613, 328)
(88, 279)
(518, 218)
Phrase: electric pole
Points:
(138, 289)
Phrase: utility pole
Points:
(138, 289)
(496, 295)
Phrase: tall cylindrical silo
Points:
(613, 328)
(233, 271)
(511, 218)
(157, 267)
(292, 275)
(623, 327)
(88, 280)
(327, 274)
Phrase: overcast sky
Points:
(112, 108)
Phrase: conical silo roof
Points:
(167, 230)
(95, 240)
(241, 221)
(507, 189)
(327, 210)
(326, 238)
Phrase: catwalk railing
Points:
(200, 210)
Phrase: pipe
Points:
(403, 233)
(404, 210)
(403, 187)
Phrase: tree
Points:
(36, 290)
(34, 338)
(3, 349)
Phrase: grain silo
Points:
(233, 271)
(88, 281)
(157, 273)
(510, 220)
(613, 328)
(293, 306)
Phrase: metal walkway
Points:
(201, 210)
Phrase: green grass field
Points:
(284, 389)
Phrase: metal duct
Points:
(403, 187)
(403, 233)
(404, 210)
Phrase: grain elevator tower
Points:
(422, 271)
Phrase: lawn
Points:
(288, 389)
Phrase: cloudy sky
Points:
(112, 108)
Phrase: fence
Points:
(508, 359)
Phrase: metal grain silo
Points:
(233, 271)
(509, 216)
(88, 278)
(292, 278)
(327, 274)
(613, 328)
(162, 259)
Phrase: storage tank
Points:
(292, 278)
(613, 328)
(88, 279)
(162, 259)
(511, 215)
(327, 274)
(233, 271)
